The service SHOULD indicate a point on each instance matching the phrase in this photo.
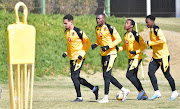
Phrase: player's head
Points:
(129, 24)
(150, 19)
(100, 19)
(68, 21)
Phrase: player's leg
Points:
(113, 80)
(74, 77)
(170, 80)
(84, 82)
(106, 78)
(132, 76)
(95, 89)
(153, 66)
(107, 63)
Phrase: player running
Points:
(108, 38)
(134, 45)
(78, 44)
(160, 58)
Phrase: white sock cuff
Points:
(106, 96)
(80, 98)
(123, 89)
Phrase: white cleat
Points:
(174, 95)
(125, 94)
(104, 100)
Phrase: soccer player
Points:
(77, 46)
(160, 58)
(134, 45)
(108, 38)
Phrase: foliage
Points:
(75, 7)
(50, 43)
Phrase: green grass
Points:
(51, 43)
(58, 92)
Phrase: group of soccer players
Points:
(108, 38)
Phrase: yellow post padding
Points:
(21, 55)
(21, 39)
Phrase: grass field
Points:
(58, 92)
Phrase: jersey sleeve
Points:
(124, 46)
(117, 38)
(142, 45)
(97, 41)
(67, 50)
(86, 41)
(161, 38)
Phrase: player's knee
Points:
(106, 75)
(128, 76)
(81, 80)
(169, 78)
(150, 74)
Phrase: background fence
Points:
(119, 8)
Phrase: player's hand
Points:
(132, 52)
(80, 57)
(117, 48)
(105, 48)
(93, 46)
(147, 42)
(64, 55)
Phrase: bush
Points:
(51, 43)
(75, 7)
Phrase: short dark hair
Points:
(68, 16)
(132, 22)
(102, 14)
(151, 17)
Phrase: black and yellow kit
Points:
(133, 42)
(107, 35)
(78, 44)
(160, 57)
(158, 43)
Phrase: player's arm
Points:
(117, 38)
(142, 45)
(93, 46)
(161, 38)
(87, 44)
(122, 48)
(66, 53)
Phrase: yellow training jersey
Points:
(158, 43)
(107, 35)
(77, 43)
(133, 42)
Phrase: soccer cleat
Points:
(155, 96)
(140, 95)
(104, 100)
(125, 94)
(174, 95)
(95, 91)
(78, 100)
(144, 97)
